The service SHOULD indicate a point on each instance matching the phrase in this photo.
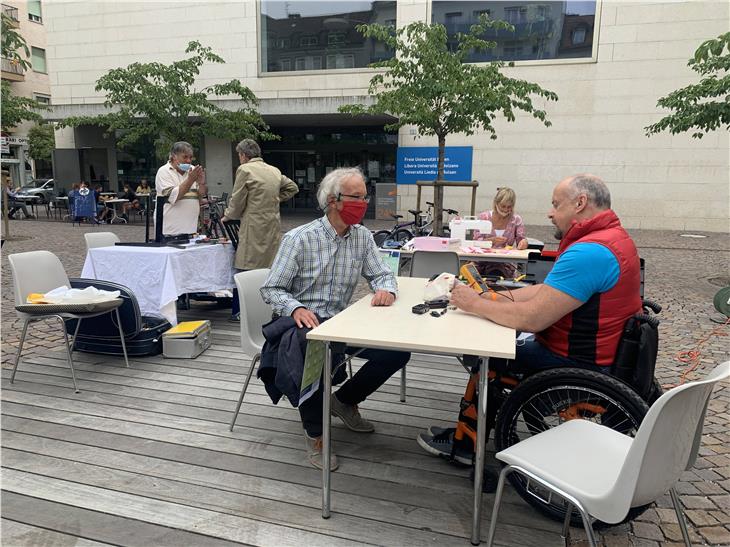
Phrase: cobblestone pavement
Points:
(678, 274)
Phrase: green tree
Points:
(704, 106)
(15, 109)
(160, 102)
(429, 85)
(41, 142)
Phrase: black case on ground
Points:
(142, 334)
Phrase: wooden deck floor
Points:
(143, 456)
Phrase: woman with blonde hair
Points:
(507, 227)
(508, 230)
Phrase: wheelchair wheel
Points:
(548, 398)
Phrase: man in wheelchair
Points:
(579, 315)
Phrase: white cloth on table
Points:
(158, 275)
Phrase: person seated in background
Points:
(15, 205)
(144, 188)
(101, 210)
(508, 230)
(133, 202)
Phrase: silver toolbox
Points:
(187, 340)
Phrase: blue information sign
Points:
(420, 162)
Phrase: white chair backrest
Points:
(36, 271)
(668, 440)
(100, 239)
(254, 311)
(429, 263)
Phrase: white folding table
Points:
(396, 327)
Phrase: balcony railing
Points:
(12, 67)
(10, 12)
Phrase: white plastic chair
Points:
(41, 272)
(604, 473)
(100, 239)
(254, 313)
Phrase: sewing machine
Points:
(463, 228)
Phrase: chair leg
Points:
(587, 525)
(243, 390)
(68, 352)
(497, 502)
(403, 384)
(76, 333)
(121, 337)
(680, 516)
(566, 525)
(20, 349)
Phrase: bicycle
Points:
(421, 225)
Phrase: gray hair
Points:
(332, 183)
(249, 148)
(181, 147)
(593, 187)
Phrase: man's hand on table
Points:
(522, 245)
(464, 297)
(382, 298)
(305, 318)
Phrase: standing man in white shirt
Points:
(184, 185)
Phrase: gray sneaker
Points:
(441, 445)
(314, 452)
(350, 415)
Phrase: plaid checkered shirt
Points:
(317, 269)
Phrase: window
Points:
(308, 41)
(340, 61)
(515, 15)
(34, 11)
(319, 35)
(543, 30)
(41, 98)
(38, 59)
(336, 38)
(578, 36)
(309, 63)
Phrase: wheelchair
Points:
(522, 405)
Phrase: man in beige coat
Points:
(257, 192)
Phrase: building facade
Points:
(27, 18)
(608, 61)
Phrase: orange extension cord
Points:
(691, 357)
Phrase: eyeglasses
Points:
(365, 198)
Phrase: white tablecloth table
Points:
(396, 327)
(158, 275)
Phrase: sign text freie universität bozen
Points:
(420, 163)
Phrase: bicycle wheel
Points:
(380, 236)
(402, 235)
(549, 398)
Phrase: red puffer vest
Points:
(590, 334)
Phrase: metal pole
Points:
(326, 425)
(480, 448)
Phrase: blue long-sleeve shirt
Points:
(317, 269)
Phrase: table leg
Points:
(469, 360)
(326, 425)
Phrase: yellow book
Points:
(187, 329)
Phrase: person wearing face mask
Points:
(257, 192)
(184, 185)
(312, 279)
(507, 230)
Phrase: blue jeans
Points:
(531, 356)
(235, 303)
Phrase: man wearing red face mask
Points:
(312, 278)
